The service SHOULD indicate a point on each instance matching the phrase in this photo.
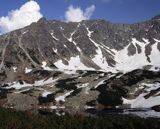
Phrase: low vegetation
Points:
(19, 120)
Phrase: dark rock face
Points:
(131, 50)
(156, 108)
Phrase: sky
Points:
(15, 14)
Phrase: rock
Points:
(22, 102)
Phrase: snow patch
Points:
(69, 71)
(140, 101)
(99, 58)
(45, 93)
(62, 97)
(155, 54)
(15, 69)
(89, 107)
(45, 67)
(27, 70)
(53, 36)
(44, 82)
(100, 83)
(82, 85)
(73, 64)
(155, 68)
(18, 86)
(20, 91)
(57, 107)
(25, 32)
(127, 63)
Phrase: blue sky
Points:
(15, 14)
(128, 11)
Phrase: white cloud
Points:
(89, 11)
(19, 18)
(76, 14)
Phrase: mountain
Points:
(71, 66)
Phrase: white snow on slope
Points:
(141, 102)
(71, 36)
(149, 87)
(45, 93)
(66, 71)
(100, 83)
(18, 86)
(14, 69)
(99, 58)
(155, 55)
(20, 91)
(53, 36)
(124, 62)
(82, 85)
(44, 82)
(73, 64)
(45, 67)
(155, 68)
(62, 97)
(127, 63)
(57, 107)
(27, 70)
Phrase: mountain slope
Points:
(79, 66)
(88, 45)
